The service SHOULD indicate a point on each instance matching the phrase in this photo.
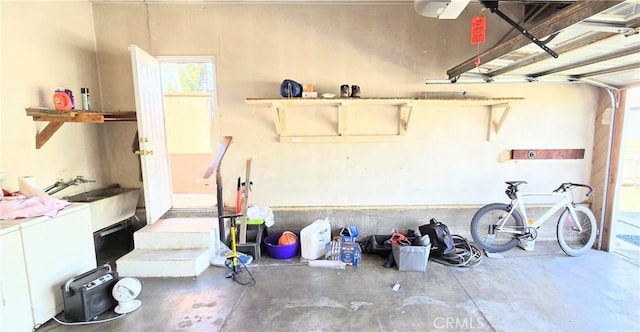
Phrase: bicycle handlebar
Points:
(567, 185)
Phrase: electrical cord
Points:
(37, 326)
(91, 321)
(466, 254)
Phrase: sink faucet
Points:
(58, 183)
(61, 184)
(80, 179)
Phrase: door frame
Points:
(614, 169)
(213, 107)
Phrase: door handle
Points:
(143, 152)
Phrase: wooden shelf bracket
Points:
(405, 116)
(497, 118)
(46, 133)
(57, 118)
(499, 110)
(280, 118)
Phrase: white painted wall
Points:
(46, 45)
(386, 49)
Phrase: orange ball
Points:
(287, 238)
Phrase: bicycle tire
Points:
(490, 214)
(572, 242)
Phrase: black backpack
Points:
(441, 240)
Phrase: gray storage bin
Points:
(411, 258)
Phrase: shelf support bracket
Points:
(280, 117)
(405, 116)
(46, 133)
(342, 119)
(496, 119)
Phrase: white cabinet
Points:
(54, 250)
(15, 308)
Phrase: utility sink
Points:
(109, 206)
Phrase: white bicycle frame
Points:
(565, 201)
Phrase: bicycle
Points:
(498, 227)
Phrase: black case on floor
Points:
(89, 294)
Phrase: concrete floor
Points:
(542, 290)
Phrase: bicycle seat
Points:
(515, 183)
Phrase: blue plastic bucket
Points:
(280, 251)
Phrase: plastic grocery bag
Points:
(261, 212)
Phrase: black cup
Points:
(344, 91)
(355, 91)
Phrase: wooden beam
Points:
(47, 118)
(496, 120)
(277, 103)
(405, 105)
(342, 119)
(341, 139)
(276, 117)
(405, 116)
(614, 167)
(575, 44)
(89, 118)
(280, 118)
(46, 114)
(215, 165)
(119, 116)
(57, 118)
(46, 133)
(505, 112)
(566, 17)
(242, 238)
(38, 111)
(532, 154)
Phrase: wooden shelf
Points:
(57, 118)
(499, 109)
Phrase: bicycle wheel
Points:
(483, 227)
(572, 241)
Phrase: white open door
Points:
(152, 133)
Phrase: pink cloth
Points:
(13, 208)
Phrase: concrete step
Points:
(178, 233)
(164, 262)
(172, 247)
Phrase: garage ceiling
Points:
(597, 42)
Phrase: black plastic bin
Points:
(378, 245)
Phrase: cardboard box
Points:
(411, 258)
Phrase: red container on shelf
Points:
(63, 100)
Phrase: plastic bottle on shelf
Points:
(86, 99)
